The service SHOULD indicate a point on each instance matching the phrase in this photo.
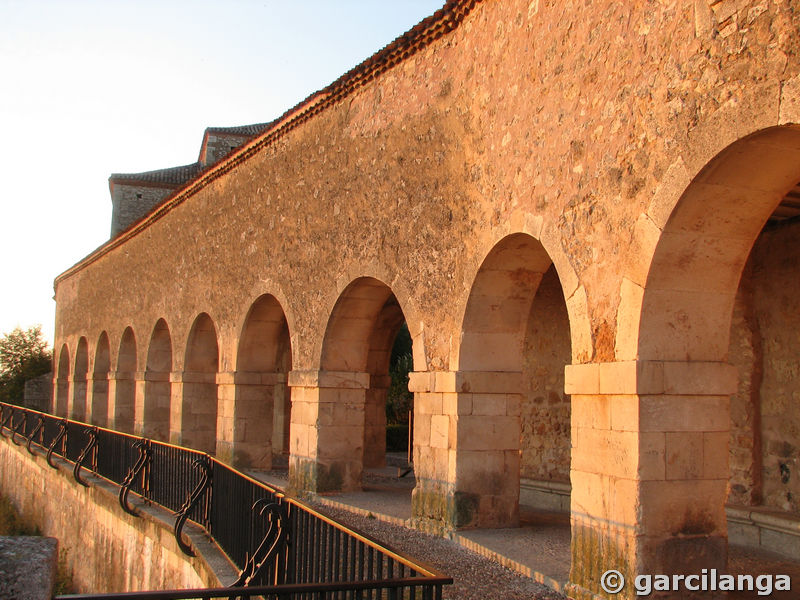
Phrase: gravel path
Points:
(474, 577)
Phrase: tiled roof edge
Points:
(168, 176)
(430, 29)
(241, 130)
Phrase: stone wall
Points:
(746, 355)
(38, 392)
(629, 144)
(765, 347)
(107, 549)
(545, 408)
(131, 202)
(775, 266)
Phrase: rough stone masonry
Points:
(586, 214)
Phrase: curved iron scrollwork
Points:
(275, 539)
(143, 446)
(5, 420)
(36, 430)
(62, 431)
(204, 466)
(15, 429)
(90, 445)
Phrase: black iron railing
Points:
(282, 547)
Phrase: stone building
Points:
(587, 217)
(38, 392)
(133, 195)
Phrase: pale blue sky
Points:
(88, 88)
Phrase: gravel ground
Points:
(474, 577)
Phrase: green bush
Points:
(397, 437)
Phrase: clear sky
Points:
(88, 88)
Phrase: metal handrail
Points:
(309, 554)
(283, 591)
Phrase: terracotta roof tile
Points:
(170, 177)
(243, 130)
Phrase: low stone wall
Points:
(760, 528)
(544, 495)
(107, 549)
(765, 529)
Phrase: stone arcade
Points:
(586, 215)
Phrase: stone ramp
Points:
(538, 549)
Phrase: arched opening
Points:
(199, 405)
(513, 420)
(388, 364)
(545, 409)
(157, 388)
(79, 381)
(704, 305)
(125, 383)
(350, 400)
(62, 383)
(102, 366)
(258, 428)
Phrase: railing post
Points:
(143, 446)
(15, 428)
(203, 465)
(36, 430)
(62, 432)
(90, 445)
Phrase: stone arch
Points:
(154, 420)
(701, 250)
(522, 223)
(343, 395)
(255, 420)
(62, 382)
(346, 344)
(690, 249)
(359, 337)
(125, 383)
(79, 381)
(102, 366)
(515, 342)
(198, 413)
(499, 302)
(400, 290)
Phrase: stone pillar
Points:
(193, 419)
(327, 431)
(153, 404)
(139, 419)
(121, 400)
(245, 420)
(281, 409)
(98, 407)
(77, 399)
(60, 396)
(649, 470)
(375, 421)
(176, 407)
(466, 449)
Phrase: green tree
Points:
(23, 355)
(398, 399)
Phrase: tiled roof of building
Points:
(243, 130)
(171, 177)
